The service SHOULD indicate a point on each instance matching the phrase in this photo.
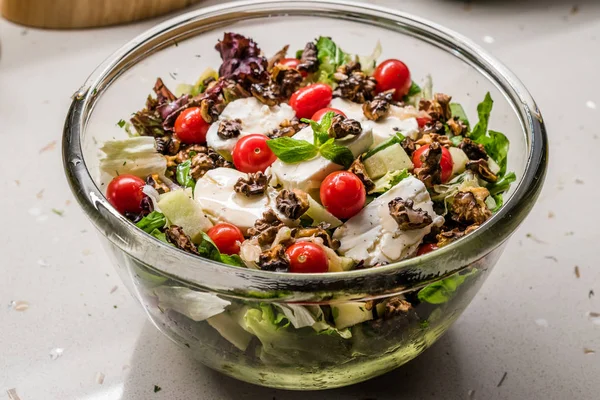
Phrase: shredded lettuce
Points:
(195, 305)
(135, 155)
(442, 291)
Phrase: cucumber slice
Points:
(351, 313)
(318, 213)
(391, 158)
(180, 209)
(459, 160)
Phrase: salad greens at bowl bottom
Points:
(319, 163)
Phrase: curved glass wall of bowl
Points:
(231, 318)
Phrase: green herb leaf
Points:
(483, 111)
(121, 123)
(291, 150)
(58, 212)
(183, 174)
(442, 291)
(299, 53)
(458, 111)
(234, 260)
(338, 154)
(320, 128)
(152, 221)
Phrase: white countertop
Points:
(529, 322)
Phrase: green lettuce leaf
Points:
(442, 291)
(152, 221)
(183, 174)
(458, 111)
(483, 111)
(388, 181)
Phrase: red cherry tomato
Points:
(426, 248)
(445, 163)
(251, 154)
(310, 99)
(343, 194)
(190, 127)
(393, 74)
(125, 194)
(422, 121)
(292, 63)
(319, 114)
(307, 257)
(227, 237)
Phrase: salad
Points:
(324, 162)
(319, 162)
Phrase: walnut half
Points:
(407, 217)
(292, 203)
(253, 184)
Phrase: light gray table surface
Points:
(530, 321)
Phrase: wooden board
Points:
(65, 14)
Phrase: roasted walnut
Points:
(274, 259)
(481, 168)
(408, 145)
(447, 237)
(457, 126)
(438, 108)
(341, 127)
(177, 236)
(167, 145)
(379, 107)
(210, 110)
(254, 184)
(398, 307)
(286, 80)
(266, 94)
(292, 203)
(319, 231)
(229, 129)
(429, 138)
(407, 217)
(430, 171)
(353, 84)
(309, 61)
(473, 150)
(265, 229)
(358, 169)
(287, 128)
(469, 210)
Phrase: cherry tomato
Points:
(307, 257)
(393, 74)
(426, 248)
(308, 100)
(190, 127)
(125, 194)
(292, 63)
(422, 121)
(251, 154)
(319, 114)
(445, 163)
(227, 237)
(343, 194)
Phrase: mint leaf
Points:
(183, 174)
(320, 128)
(483, 111)
(234, 260)
(152, 221)
(458, 111)
(338, 154)
(291, 150)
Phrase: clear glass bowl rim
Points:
(248, 283)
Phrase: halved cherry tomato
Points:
(125, 194)
(393, 74)
(227, 237)
(445, 163)
(251, 154)
(308, 100)
(292, 63)
(319, 114)
(343, 194)
(426, 248)
(307, 257)
(190, 127)
(422, 121)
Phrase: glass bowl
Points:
(230, 318)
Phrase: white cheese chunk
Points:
(387, 127)
(309, 174)
(214, 191)
(256, 118)
(373, 235)
(352, 110)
